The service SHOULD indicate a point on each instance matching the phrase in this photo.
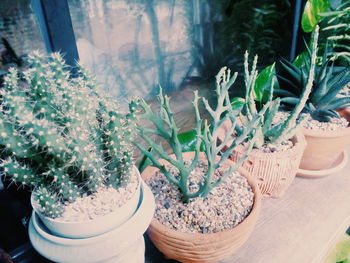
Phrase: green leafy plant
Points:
(206, 137)
(334, 22)
(231, 27)
(59, 135)
(323, 100)
(311, 15)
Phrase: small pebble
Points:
(222, 209)
(105, 200)
(332, 125)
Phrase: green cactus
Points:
(327, 84)
(60, 135)
(206, 137)
(285, 129)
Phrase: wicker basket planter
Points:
(198, 247)
(274, 171)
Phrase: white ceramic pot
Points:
(120, 245)
(93, 227)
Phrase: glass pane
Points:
(132, 46)
(18, 26)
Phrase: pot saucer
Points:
(337, 165)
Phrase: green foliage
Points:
(263, 82)
(231, 27)
(59, 135)
(340, 252)
(323, 100)
(334, 22)
(311, 15)
(336, 27)
(206, 136)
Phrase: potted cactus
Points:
(279, 146)
(327, 125)
(206, 206)
(73, 147)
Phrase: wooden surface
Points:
(300, 226)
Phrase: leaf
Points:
(323, 115)
(290, 100)
(237, 103)
(269, 114)
(340, 103)
(283, 93)
(188, 141)
(299, 61)
(262, 86)
(292, 70)
(311, 15)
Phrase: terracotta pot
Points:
(324, 147)
(274, 171)
(198, 247)
(96, 226)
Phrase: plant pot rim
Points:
(299, 144)
(146, 204)
(252, 181)
(326, 134)
(330, 134)
(35, 205)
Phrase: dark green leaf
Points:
(344, 74)
(292, 70)
(340, 103)
(322, 115)
(321, 87)
(290, 100)
(292, 87)
(283, 93)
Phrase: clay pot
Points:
(198, 247)
(274, 171)
(324, 147)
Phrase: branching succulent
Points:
(323, 100)
(269, 132)
(206, 137)
(60, 136)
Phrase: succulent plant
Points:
(269, 132)
(59, 135)
(323, 100)
(206, 138)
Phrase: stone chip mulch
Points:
(224, 207)
(333, 125)
(312, 124)
(105, 200)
